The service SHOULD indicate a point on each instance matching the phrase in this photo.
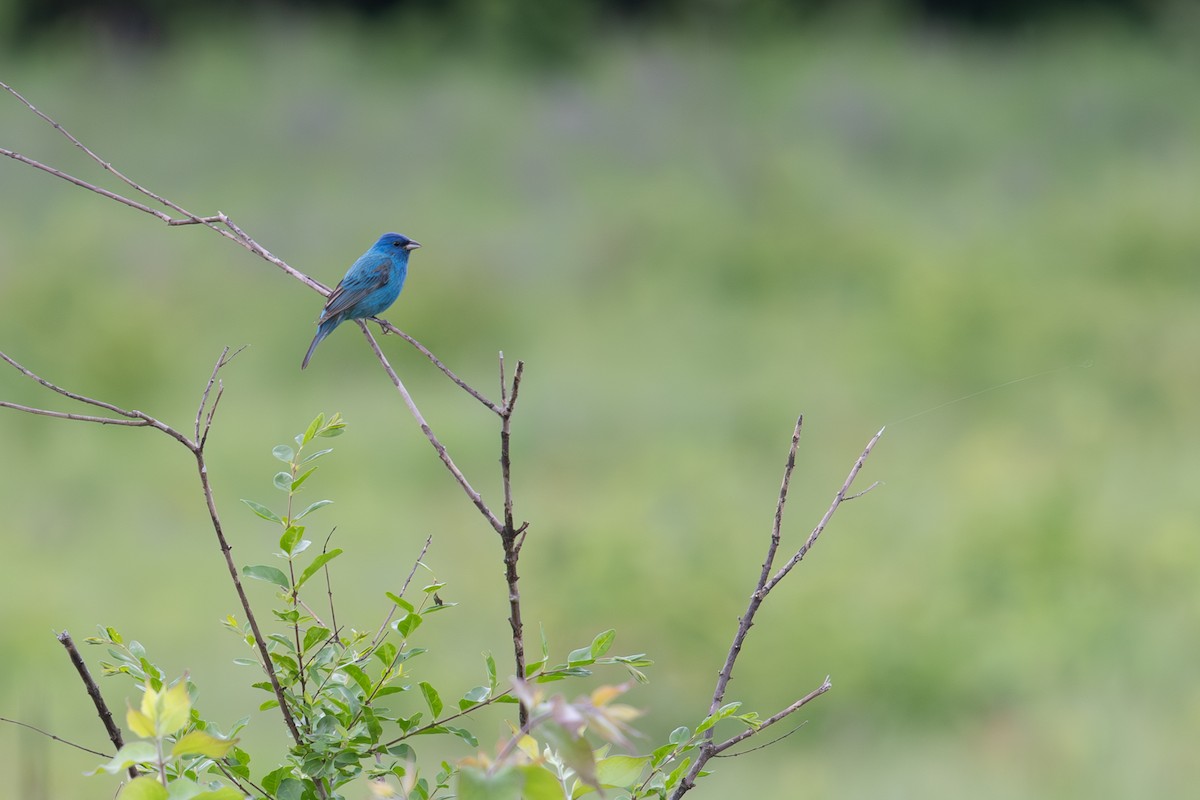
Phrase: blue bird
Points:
(369, 287)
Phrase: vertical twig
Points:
(512, 537)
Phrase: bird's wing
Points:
(364, 277)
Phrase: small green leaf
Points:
(359, 677)
(540, 783)
(432, 699)
(283, 481)
(263, 511)
(400, 601)
(433, 587)
(474, 697)
(314, 636)
(143, 787)
(505, 783)
(463, 734)
(679, 735)
(313, 427)
(291, 536)
(313, 507)
(284, 453)
(335, 427)
(407, 624)
(491, 670)
(620, 771)
(201, 743)
(265, 573)
(677, 773)
(316, 565)
(315, 456)
(224, 793)
(301, 478)
(582, 655)
(602, 642)
(129, 755)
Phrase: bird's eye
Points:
(396, 243)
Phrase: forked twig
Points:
(766, 582)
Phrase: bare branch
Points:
(106, 717)
(132, 423)
(838, 499)
(390, 328)
(771, 720)
(440, 448)
(764, 586)
(50, 735)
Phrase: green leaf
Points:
(315, 456)
(291, 537)
(314, 506)
(463, 734)
(491, 670)
(335, 427)
(301, 478)
(224, 793)
(263, 511)
(476, 784)
(283, 481)
(407, 624)
(316, 565)
(679, 735)
(433, 587)
(540, 783)
(143, 787)
(264, 573)
(580, 656)
(474, 697)
(201, 743)
(313, 427)
(678, 772)
(314, 636)
(359, 677)
(129, 755)
(718, 715)
(432, 699)
(284, 453)
(400, 601)
(602, 642)
(620, 771)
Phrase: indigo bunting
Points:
(369, 287)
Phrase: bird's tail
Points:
(323, 330)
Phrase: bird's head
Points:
(397, 241)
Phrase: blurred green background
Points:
(691, 232)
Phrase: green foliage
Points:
(345, 689)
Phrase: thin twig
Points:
(760, 589)
(771, 720)
(509, 537)
(89, 683)
(50, 735)
(764, 586)
(423, 350)
(776, 740)
(392, 612)
(838, 499)
(132, 423)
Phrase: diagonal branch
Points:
(89, 683)
(440, 448)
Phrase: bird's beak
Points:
(412, 245)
